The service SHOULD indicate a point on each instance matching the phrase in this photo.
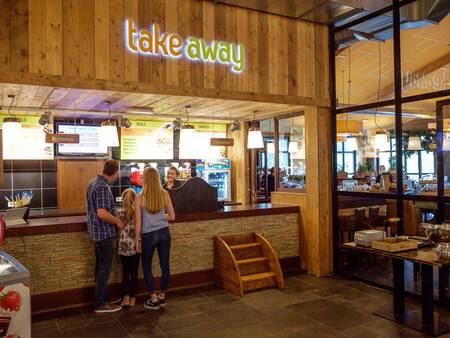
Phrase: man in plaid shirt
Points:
(101, 224)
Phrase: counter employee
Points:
(172, 175)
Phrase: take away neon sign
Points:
(154, 42)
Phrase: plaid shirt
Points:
(99, 196)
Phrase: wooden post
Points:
(318, 227)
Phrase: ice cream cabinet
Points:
(217, 173)
(15, 304)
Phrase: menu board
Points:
(203, 149)
(146, 140)
(30, 144)
(89, 140)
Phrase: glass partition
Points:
(292, 152)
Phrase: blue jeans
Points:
(159, 239)
(104, 256)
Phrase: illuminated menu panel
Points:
(30, 144)
(146, 140)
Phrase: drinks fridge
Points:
(217, 173)
(15, 306)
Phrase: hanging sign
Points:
(224, 142)
(62, 138)
(154, 42)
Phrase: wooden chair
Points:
(411, 226)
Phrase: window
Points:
(346, 159)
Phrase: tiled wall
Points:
(37, 176)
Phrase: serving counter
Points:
(60, 255)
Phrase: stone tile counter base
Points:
(65, 261)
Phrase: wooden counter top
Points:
(49, 225)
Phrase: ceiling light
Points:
(381, 141)
(235, 126)
(138, 110)
(255, 138)
(414, 143)
(108, 134)
(351, 144)
(188, 137)
(45, 119)
(293, 147)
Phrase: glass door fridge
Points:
(217, 173)
(15, 303)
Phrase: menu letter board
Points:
(146, 140)
(30, 145)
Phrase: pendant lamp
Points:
(414, 143)
(351, 144)
(11, 129)
(381, 141)
(293, 147)
(301, 152)
(187, 136)
(108, 130)
(108, 134)
(255, 138)
(271, 148)
(446, 142)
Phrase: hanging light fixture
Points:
(446, 142)
(11, 127)
(414, 143)
(351, 144)
(187, 133)
(381, 141)
(271, 148)
(108, 131)
(255, 138)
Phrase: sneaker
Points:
(162, 301)
(114, 300)
(108, 308)
(151, 305)
(125, 301)
(132, 301)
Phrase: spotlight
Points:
(235, 126)
(45, 119)
(124, 123)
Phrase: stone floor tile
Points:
(340, 318)
(310, 306)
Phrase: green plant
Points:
(340, 168)
(364, 167)
(392, 163)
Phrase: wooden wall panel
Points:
(5, 45)
(19, 36)
(53, 37)
(102, 41)
(72, 42)
(87, 38)
(71, 38)
(36, 32)
(73, 177)
(172, 26)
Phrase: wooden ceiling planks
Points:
(42, 97)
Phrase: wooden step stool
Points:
(245, 262)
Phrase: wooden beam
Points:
(150, 88)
